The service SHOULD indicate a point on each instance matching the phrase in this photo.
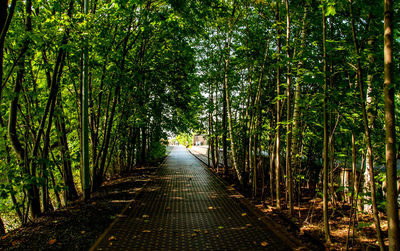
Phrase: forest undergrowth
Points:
(77, 226)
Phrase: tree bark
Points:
(211, 152)
(326, 140)
(12, 121)
(70, 194)
(297, 97)
(390, 130)
(289, 170)
(229, 110)
(367, 135)
(5, 20)
(98, 175)
(224, 132)
(278, 127)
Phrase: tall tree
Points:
(85, 113)
(390, 138)
(289, 171)
(367, 129)
(326, 140)
(278, 109)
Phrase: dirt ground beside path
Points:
(77, 226)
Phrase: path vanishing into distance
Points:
(187, 207)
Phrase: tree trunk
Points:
(85, 170)
(70, 194)
(98, 175)
(297, 97)
(278, 127)
(229, 110)
(326, 143)
(289, 171)
(143, 145)
(272, 153)
(216, 141)
(370, 168)
(5, 20)
(390, 129)
(353, 166)
(224, 136)
(21, 153)
(211, 152)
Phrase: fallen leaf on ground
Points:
(244, 214)
(83, 232)
(145, 216)
(264, 243)
(15, 243)
(211, 208)
(51, 242)
(220, 227)
(112, 237)
(146, 231)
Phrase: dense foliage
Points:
(295, 99)
(141, 86)
(290, 91)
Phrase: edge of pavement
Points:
(277, 229)
(108, 229)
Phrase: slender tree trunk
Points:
(331, 157)
(143, 144)
(70, 194)
(370, 103)
(216, 141)
(21, 153)
(98, 176)
(5, 20)
(326, 143)
(224, 132)
(271, 169)
(211, 152)
(297, 97)
(229, 110)
(53, 182)
(353, 165)
(85, 170)
(367, 135)
(278, 110)
(289, 170)
(390, 136)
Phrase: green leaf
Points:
(330, 11)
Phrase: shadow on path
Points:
(188, 208)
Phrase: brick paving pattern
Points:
(187, 208)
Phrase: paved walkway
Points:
(188, 208)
